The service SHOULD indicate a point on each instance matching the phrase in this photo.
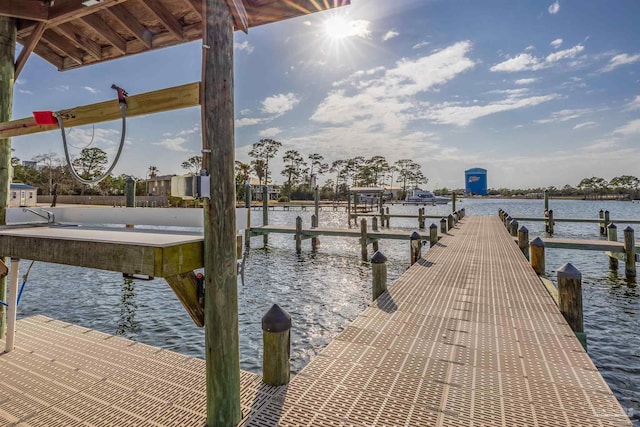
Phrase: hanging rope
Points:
(123, 109)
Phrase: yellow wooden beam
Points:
(157, 101)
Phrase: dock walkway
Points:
(468, 336)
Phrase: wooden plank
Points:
(196, 5)
(28, 47)
(62, 44)
(33, 10)
(106, 32)
(587, 245)
(122, 15)
(334, 232)
(580, 220)
(240, 18)
(76, 36)
(165, 17)
(137, 105)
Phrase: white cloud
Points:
(634, 104)
(526, 81)
(554, 8)
(389, 35)
(307, 23)
(248, 121)
(565, 115)
(25, 91)
(269, 133)
(585, 125)
(556, 43)
(191, 131)
(631, 128)
(83, 137)
(173, 144)
(279, 104)
(90, 89)
(529, 48)
(618, 60)
(603, 145)
(563, 54)
(62, 88)
(522, 62)
(419, 45)
(20, 82)
(244, 46)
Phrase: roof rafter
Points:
(106, 32)
(165, 17)
(76, 36)
(58, 42)
(122, 15)
(34, 10)
(28, 47)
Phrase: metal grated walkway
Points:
(466, 337)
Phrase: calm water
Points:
(324, 291)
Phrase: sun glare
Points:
(337, 28)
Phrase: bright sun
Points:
(338, 28)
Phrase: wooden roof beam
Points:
(196, 5)
(165, 17)
(77, 37)
(122, 15)
(240, 18)
(106, 32)
(158, 101)
(71, 10)
(58, 42)
(34, 10)
(28, 47)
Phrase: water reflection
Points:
(127, 324)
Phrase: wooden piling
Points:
(416, 247)
(363, 239)
(381, 217)
(536, 251)
(601, 223)
(247, 205)
(550, 222)
(379, 274)
(570, 297)
(612, 235)
(265, 212)
(388, 217)
(546, 200)
(130, 192)
(453, 201)
(218, 153)
(7, 73)
(316, 203)
(630, 252)
(374, 223)
(513, 227)
(421, 218)
(314, 240)
(276, 339)
(523, 241)
(349, 209)
(433, 235)
(443, 226)
(298, 236)
(449, 222)
(607, 221)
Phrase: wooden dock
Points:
(468, 336)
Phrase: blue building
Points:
(475, 181)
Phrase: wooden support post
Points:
(222, 350)
(570, 299)
(443, 226)
(500, 213)
(416, 247)
(388, 218)
(536, 250)
(374, 223)
(523, 241)
(382, 217)
(379, 274)
(449, 222)
(612, 235)
(276, 339)
(607, 221)
(601, 223)
(12, 303)
(316, 204)
(185, 286)
(130, 192)
(550, 222)
(314, 240)
(298, 235)
(630, 252)
(7, 75)
(247, 204)
(356, 200)
(265, 213)
(349, 209)
(513, 228)
(453, 201)
(546, 200)
(363, 239)
(433, 235)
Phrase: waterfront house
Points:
(22, 195)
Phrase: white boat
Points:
(417, 195)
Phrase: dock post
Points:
(546, 200)
(612, 236)
(130, 193)
(433, 235)
(606, 222)
(449, 222)
(507, 220)
(298, 235)
(416, 247)
(379, 274)
(314, 240)
(388, 217)
(513, 230)
(12, 303)
(630, 251)
(570, 299)
(265, 212)
(453, 201)
(443, 226)
(363, 239)
(536, 250)
(349, 209)
(276, 340)
(7, 73)
(382, 217)
(247, 204)
(316, 203)
(374, 223)
(421, 218)
(550, 221)
(601, 223)
(523, 241)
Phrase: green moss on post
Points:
(276, 339)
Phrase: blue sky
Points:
(539, 93)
